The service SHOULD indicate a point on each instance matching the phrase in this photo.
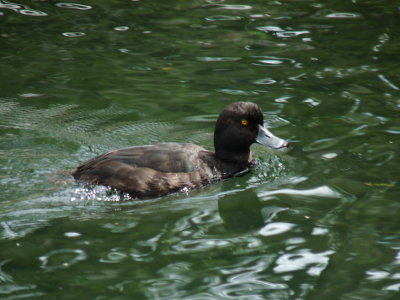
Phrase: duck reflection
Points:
(241, 211)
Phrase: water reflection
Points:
(241, 210)
(152, 71)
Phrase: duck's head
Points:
(238, 126)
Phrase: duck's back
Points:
(148, 171)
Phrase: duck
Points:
(156, 170)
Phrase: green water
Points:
(318, 221)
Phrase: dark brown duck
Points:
(157, 170)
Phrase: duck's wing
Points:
(147, 170)
(168, 157)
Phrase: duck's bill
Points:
(266, 138)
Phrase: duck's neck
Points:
(239, 158)
(232, 164)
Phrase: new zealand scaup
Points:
(160, 169)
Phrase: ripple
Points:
(329, 155)
(270, 28)
(344, 72)
(387, 82)
(311, 102)
(255, 289)
(72, 234)
(321, 144)
(289, 34)
(393, 130)
(248, 279)
(31, 12)
(315, 263)
(10, 288)
(21, 222)
(212, 59)
(121, 28)
(319, 231)
(22, 9)
(223, 18)
(205, 217)
(377, 274)
(321, 191)
(113, 257)
(275, 228)
(171, 282)
(331, 14)
(202, 118)
(394, 287)
(238, 92)
(118, 227)
(30, 95)
(200, 245)
(61, 259)
(265, 81)
(343, 15)
(235, 7)
(273, 60)
(73, 6)
(73, 34)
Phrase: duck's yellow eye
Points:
(244, 122)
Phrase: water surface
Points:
(319, 221)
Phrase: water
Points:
(319, 221)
